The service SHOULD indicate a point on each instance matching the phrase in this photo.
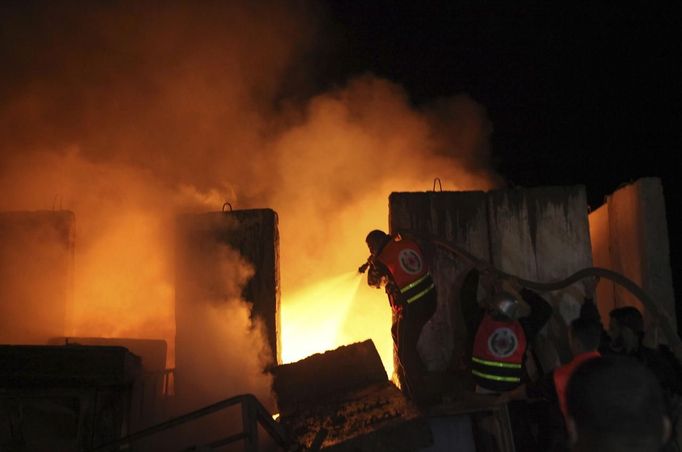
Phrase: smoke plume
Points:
(129, 113)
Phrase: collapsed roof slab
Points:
(342, 400)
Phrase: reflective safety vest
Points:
(563, 374)
(409, 270)
(499, 350)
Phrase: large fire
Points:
(332, 313)
(132, 128)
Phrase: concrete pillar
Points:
(222, 256)
(36, 275)
(600, 238)
(637, 246)
(542, 234)
(461, 218)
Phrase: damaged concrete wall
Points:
(257, 241)
(636, 245)
(222, 257)
(36, 275)
(540, 234)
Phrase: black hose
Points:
(662, 317)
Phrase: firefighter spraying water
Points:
(400, 265)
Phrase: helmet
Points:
(375, 240)
(504, 305)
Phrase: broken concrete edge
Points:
(326, 376)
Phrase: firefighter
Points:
(502, 334)
(549, 391)
(584, 336)
(399, 264)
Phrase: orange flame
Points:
(334, 312)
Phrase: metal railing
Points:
(253, 413)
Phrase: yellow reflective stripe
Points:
(495, 377)
(495, 363)
(420, 294)
(411, 285)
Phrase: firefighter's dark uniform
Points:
(401, 264)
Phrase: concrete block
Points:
(214, 254)
(324, 376)
(342, 401)
(625, 245)
(36, 275)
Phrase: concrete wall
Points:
(540, 234)
(36, 275)
(635, 245)
(223, 256)
(601, 257)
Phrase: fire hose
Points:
(663, 318)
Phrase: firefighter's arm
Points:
(376, 273)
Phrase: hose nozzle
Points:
(363, 268)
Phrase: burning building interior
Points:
(184, 208)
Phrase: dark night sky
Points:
(588, 94)
(576, 95)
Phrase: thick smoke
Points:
(129, 113)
